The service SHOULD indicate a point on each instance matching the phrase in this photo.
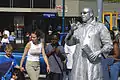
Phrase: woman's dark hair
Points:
(39, 33)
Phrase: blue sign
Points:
(49, 15)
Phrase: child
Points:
(9, 58)
(4, 41)
(14, 76)
(12, 38)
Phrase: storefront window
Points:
(28, 3)
(5, 3)
(44, 4)
(21, 3)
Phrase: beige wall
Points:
(72, 5)
(75, 6)
(90, 4)
(111, 7)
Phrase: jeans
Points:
(105, 63)
(114, 71)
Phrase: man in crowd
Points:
(55, 53)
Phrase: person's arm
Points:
(116, 51)
(106, 40)
(27, 47)
(70, 39)
(50, 53)
(15, 64)
(114, 58)
(66, 49)
(69, 35)
(8, 41)
(2, 41)
(107, 44)
(18, 67)
(45, 58)
(61, 53)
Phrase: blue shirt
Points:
(8, 59)
(5, 59)
(11, 38)
(54, 67)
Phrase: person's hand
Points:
(73, 25)
(22, 69)
(48, 68)
(53, 50)
(57, 50)
(93, 56)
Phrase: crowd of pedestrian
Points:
(6, 37)
(89, 52)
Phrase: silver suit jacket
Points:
(97, 37)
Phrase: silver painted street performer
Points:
(93, 41)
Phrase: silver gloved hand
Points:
(74, 25)
(92, 56)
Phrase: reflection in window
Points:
(107, 24)
(21, 3)
(5, 3)
(28, 3)
(44, 4)
(41, 4)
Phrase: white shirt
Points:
(5, 40)
(69, 50)
(12, 79)
(34, 52)
(6, 32)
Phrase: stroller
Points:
(5, 69)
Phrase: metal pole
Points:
(50, 4)
(32, 3)
(63, 15)
(100, 9)
(12, 3)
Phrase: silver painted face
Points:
(85, 14)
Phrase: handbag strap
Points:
(58, 63)
(9, 69)
(56, 58)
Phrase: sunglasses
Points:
(84, 12)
